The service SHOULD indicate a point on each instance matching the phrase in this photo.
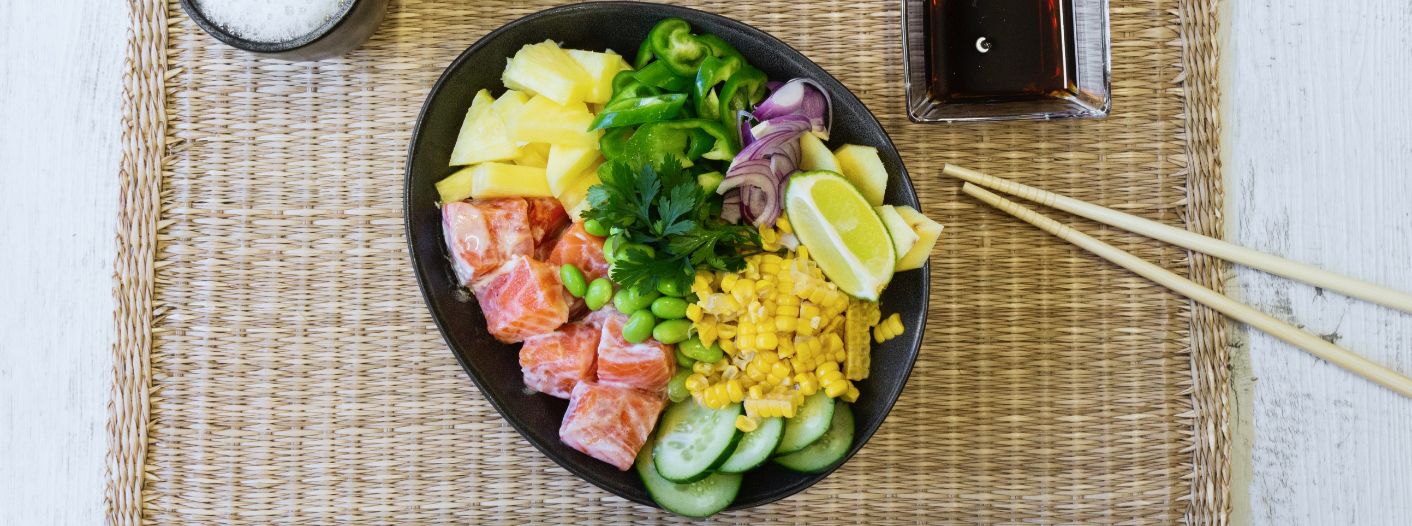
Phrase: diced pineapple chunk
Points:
(534, 154)
(484, 135)
(509, 104)
(601, 68)
(575, 198)
(456, 186)
(545, 69)
(816, 156)
(566, 165)
(928, 232)
(862, 166)
(903, 238)
(507, 180)
(543, 120)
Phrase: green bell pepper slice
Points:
(644, 54)
(639, 110)
(614, 143)
(659, 75)
(719, 47)
(713, 71)
(626, 86)
(743, 90)
(688, 139)
(673, 44)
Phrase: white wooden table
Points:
(1318, 140)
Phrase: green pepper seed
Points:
(669, 308)
(639, 326)
(671, 287)
(694, 349)
(671, 331)
(573, 280)
(682, 359)
(676, 389)
(595, 227)
(598, 293)
(628, 301)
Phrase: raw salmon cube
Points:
(609, 423)
(583, 250)
(523, 298)
(482, 235)
(554, 363)
(648, 365)
(546, 219)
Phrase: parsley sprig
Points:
(669, 225)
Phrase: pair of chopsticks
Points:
(1196, 242)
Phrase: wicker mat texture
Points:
(276, 365)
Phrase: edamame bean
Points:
(624, 248)
(682, 359)
(595, 227)
(671, 287)
(610, 247)
(694, 350)
(676, 389)
(639, 326)
(574, 280)
(669, 308)
(628, 301)
(598, 293)
(671, 331)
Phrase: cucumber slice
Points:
(825, 451)
(697, 499)
(809, 423)
(755, 447)
(693, 439)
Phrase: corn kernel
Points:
(767, 341)
(836, 389)
(734, 391)
(701, 368)
(756, 391)
(696, 382)
(851, 395)
(746, 424)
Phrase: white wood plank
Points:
(60, 85)
(1318, 144)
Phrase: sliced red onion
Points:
(743, 119)
(795, 123)
(730, 207)
(800, 97)
(751, 173)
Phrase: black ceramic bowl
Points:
(494, 366)
(343, 32)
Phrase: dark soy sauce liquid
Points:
(999, 50)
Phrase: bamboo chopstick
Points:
(1313, 344)
(1312, 275)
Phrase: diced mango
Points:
(543, 120)
(862, 167)
(566, 164)
(575, 197)
(507, 180)
(928, 232)
(484, 135)
(534, 154)
(456, 186)
(903, 238)
(601, 68)
(816, 156)
(547, 70)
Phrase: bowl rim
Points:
(328, 27)
(438, 316)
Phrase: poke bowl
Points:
(515, 315)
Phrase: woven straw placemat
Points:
(276, 365)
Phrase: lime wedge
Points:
(843, 233)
